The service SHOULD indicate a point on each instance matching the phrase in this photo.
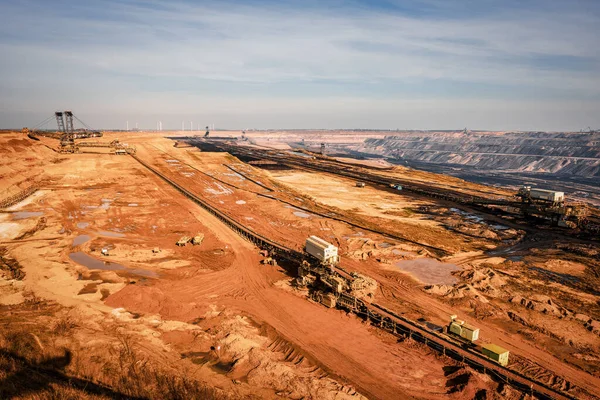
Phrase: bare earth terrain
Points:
(212, 320)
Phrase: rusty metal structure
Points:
(60, 121)
(66, 133)
(117, 147)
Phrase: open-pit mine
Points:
(299, 264)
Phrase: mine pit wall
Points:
(563, 153)
(568, 161)
(379, 315)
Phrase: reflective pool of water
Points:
(93, 263)
(429, 270)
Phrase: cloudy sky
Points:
(421, 64)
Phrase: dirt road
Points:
(340, 344)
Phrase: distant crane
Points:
(207, 132)
(69, 122)
(67, 138)
(60, 121)
(64, 121)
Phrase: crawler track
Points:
(22, 195)
(379, 315)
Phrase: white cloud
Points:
(112, 51)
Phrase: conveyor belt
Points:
(591, 224)
(379, 315)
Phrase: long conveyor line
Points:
(438, 251)
(246, 232)
(590, 224)
(381, 316)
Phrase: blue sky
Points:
(424, 64)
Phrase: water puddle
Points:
(172, 161)
(26, 214)
(81, 239)
(83, 225)
(240, 202)
(105, 204)
(499, 227)
(93, 263)
(385, 245)
(472, 217)
(429, 270)
(111, 234)
(132, 205)
(300, 154)
(401, 253)
(298, 212)
(475, 218)
(235, 175)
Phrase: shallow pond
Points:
(93, 263)
(81, 239)
(27, 214)
(429, 270)
(301, 214)
(111, 234)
